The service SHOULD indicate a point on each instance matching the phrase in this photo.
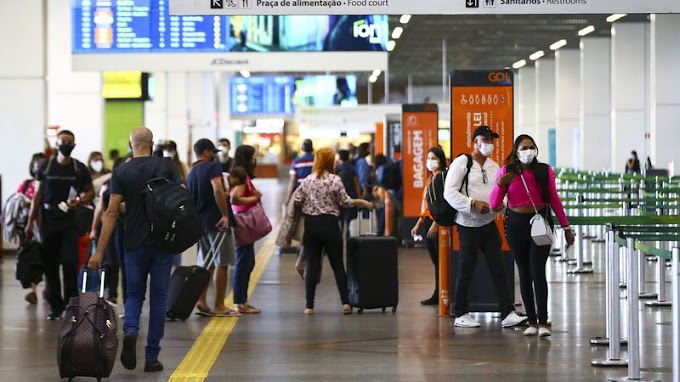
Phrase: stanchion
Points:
(614, 304)
(565, 254)
(580, 239)
(676, 314)
(642, 277)
(444, 270)
(661, 287)
(623, 262)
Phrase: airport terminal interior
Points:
(593, 86)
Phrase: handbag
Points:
(251, 226)
(541, 231)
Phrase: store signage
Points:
(423, 7)
(419, 128)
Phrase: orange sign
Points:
(419, 125)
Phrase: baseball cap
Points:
(204, 144)
(484, 131)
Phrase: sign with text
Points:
(423, 7)
(482, 97)
(419, 126)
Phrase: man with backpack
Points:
(62, 185)
(467, 188)
(144, 256)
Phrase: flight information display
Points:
(262, 95)
(145, 26)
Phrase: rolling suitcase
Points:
(187, 283)
(372, 271)
(88, 338)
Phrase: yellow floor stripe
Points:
(200, 359)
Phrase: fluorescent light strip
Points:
(376, 72)
(372, 79)
(558, 44)
(245, 73)
(404, 19)
(587, 30)
(537, 55)
(615, 17)
(396, 33)
(519, 64)
(390, 45)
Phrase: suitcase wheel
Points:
(383, 309)
(361, 310)
(394, 309)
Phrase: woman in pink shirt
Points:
(530, 258)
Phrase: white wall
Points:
(567, 107)
(526, 102)
(545, 104)
(595, 103)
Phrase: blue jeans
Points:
(139, 264)
(245, 263)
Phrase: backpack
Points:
(391, 178)
(441, 211)
(175, 224)
(15, 214)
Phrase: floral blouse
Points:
(322, 196)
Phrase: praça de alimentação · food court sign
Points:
(418, 7)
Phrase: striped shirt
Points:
(302, 167)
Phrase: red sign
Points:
(419, 126)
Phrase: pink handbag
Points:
(251, 226)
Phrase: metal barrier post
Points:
(676, 314)
(661, 277)
(642, 277)
(579, 243)
(623, 261)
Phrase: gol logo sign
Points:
(499, 77)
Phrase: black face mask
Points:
(66, 149)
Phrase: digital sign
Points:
(262, 95)
(324, 91)
(145, 26)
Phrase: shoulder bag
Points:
(251, 225)
(541, 232)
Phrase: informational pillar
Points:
(628, 92)
(567, 107)
(665, 82)
(545, 109)
(595, 116)
(526, 115)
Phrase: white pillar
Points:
(567, 107)
(176, 112)
(155, 110)
(526, 101)
(23, 110)
(545, 106)
(595, 103)
(628, 89)
(665, 89)
(225, 129)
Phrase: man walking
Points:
(300, 168)
(142, 257)
(477, 228)
(62, 185)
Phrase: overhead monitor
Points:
(324, 91)
(262, 95)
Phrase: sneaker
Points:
(434, 300)
(309, 312)
(152, 366)
(128, 357)
(543, 331)
(512, 319)
(465, 321)
(247, 309)
(531, 330)
(53, 316)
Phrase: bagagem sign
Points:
(419, 129)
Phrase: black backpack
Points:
(391, 178)
(441, 211)
(175, 224)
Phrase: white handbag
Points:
(541, 231)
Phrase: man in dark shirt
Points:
(350, 180)
(206, 185)
(142, 256)
(223, 155)
(63, 184)
(300, 168)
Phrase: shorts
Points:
(226, 254)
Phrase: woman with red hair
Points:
(321, 195)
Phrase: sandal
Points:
(228, 313)
(346, 309)
(309, 312)
(204, 311)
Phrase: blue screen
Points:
(262, 95)
(145, 26)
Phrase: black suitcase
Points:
(372, 272)
(88, 338)
(482, 294)
(187, 284)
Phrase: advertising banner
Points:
(393, 136)
(419, 124)
(482, 97)
(423, 7)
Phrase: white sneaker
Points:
(465, 321)
(512, 319)
(531, 331)
(543, 332)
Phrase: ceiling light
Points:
(376, 73)
(245, 73)
(615, 17)
(405, 19)
(537, 55)
(372, 79)
(587, 30)
(396, 33)
(519, 64)
(558, 44)
(390, 45)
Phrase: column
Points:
(567, 107)
(526, 101)
(665, 82)
(176, 112)
(595, 113)
(628, 90)
(225, 129)
(156, 109)
(23, 110)
(545, 110)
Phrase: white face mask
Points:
(526, 156)
(168, 154)
(432, 165)
(97, 165)
(486, 149)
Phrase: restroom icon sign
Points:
(489, 3)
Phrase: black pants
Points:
(487, 240)
(60, 248)
(531, 260)
(119, 240)
(323, 233)
(433, 249)
(113, 269)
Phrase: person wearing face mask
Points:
(436, 162)
(521, 167)
(477, 230)
(62, 185)
(223, 155)
(98, 172)
(170, 151)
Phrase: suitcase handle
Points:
(371, 213)
(101, 282)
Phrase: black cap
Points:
(204, 144)
(307, 146)
(484, 131)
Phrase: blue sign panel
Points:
(262, 95)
